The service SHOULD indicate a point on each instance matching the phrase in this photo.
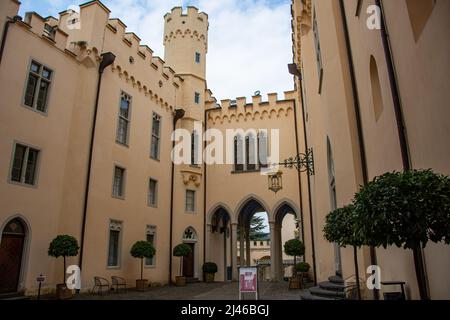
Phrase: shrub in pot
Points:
(209, 270)
(182, 250)
(141, 250)
(63, 246)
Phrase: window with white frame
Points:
(38, 87)
(150, 236)
(24, 165)
(115, 228)
(156, 137)
(124, 119)
(153, 193)
(190, 201)
(119, 182)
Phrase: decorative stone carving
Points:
(190, 176)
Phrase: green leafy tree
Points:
(63, 246)
(294, 248)
(340, 228)
(257, 227)
(405, 209)
(141, 250)
(182, 250)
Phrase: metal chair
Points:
(100, 283)
(118, 282)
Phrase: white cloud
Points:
(249, 40)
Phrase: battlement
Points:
(240, 110)
(192, 23)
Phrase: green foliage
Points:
(294, 248)
(209, 267)
(257, 227)
(182, 250)
(340, 227)
(142, 249)
(404, 209)
(63, 246)
(302, 267)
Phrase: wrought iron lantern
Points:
(276, 181)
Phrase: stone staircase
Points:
(333, 289)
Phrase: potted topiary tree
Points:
(339, 228)
(63, 246)
(209, 270)
(141, 250)
(406, 209)
(294, 248)
(182, 250)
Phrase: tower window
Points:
(197, 57)
(197, 98)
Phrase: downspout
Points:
(177, 115)
(293, 69)
(205, 189)
(419, 259)
(395, 91)
(362, 148)
(107, 60)
(8, 23)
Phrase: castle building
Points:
(372, 79)
(89, 115)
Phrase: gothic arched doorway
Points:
(11, 253)
(220, 243)
(189, 265)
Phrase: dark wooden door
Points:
(11, 250)
(188, 263)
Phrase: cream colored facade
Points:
(419, 43)
(204, 205)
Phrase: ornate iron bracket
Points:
(303, 162)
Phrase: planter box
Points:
(180, 281)
(142, 285)
(62, 292)
(209, 277)
(295, 283)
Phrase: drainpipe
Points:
(177, 115)
(419, 261)
(8, 23)
(205, 189)
(362, 148)
(107, 60)
(293, 69)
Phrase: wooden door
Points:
(11, 250)
(188, 263)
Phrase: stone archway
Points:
(284, 209)
(220, 242)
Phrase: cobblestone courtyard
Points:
(200, 291)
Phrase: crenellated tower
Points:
(186, 41)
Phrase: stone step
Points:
(336, 279)
(308, 296)
(317, 291)
(13, 296)
(192, 280)
(327, 285)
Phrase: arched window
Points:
(263, 149)
(190, 234)
(419, 12)
(251, 150)
(238, 154)
(377, 98)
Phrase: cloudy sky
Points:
(249, 40)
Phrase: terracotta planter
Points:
(209, 277)
(180, 281)
(295, 283)
(62, 292)
(142, 285)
